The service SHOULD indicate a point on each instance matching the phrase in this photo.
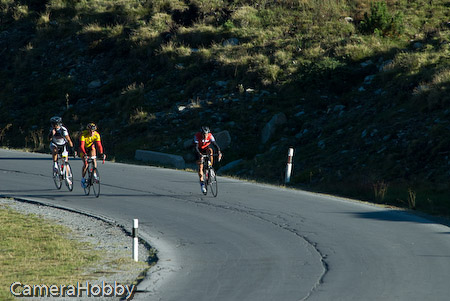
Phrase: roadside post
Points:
(135, 239)
(287, 178)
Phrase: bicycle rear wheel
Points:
(212, 182)
(96, 182)
(69, 177)
(57, 177)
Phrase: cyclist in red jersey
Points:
(203, 141)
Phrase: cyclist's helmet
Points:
(205, 130)
(91, 126)
(56, 120)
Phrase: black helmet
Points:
(205, 130)
(91, 126)
(56, 120)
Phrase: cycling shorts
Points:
(61, 148)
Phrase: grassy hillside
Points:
(364, 85)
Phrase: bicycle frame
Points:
(64, 171)
(206, 167)
(209, 175)
(93, 177)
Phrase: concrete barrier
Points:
(162, 158)
(229, 166)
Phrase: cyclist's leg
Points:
(93, 153)
(54, 149)
(85, 165)
(200, 167)
(62, 150)
(210, 153)
(83, 169)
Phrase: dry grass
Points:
(380, 189)
(411, 199)
(36, 251)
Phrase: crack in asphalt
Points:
(23, 172)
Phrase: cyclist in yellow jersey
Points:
(89, 144)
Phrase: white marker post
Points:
(135, 239)
(289, 165)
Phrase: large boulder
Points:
(270, 127)
(188, 143)
(160, 158)
(223, 139)
(230, 166)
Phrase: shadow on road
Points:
(23, 158)
(49, 158)
(402, 216)
(63, 195)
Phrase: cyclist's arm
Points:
(217, 146)
(98, 143)
(72, 151)
(197, 148)
(197, 145)
(50, 134)
(69, 140)
(219, 152)
(83, 150)
(213, 141)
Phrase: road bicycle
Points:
(209, 176)
(93, 177)
(63, 172)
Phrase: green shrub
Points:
(270, 73)
(160, 22)
(228, 25)
(20, 11)
(245, 17)
(158, 6)
(381, 22)
(199, 35)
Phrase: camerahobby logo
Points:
(19, 289)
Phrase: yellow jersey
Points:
(88, 139)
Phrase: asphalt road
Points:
(252, 242)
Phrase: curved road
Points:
(252, 242)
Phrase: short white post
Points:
(289, 165)
(135, 240)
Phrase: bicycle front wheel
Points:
(69, 177)
(87, 186)
(212, 182)
(205, 180)
(57, 177)
(96, 182)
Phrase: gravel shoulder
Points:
(116, 264)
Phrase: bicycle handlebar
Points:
(87, 158)
(214, 155)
